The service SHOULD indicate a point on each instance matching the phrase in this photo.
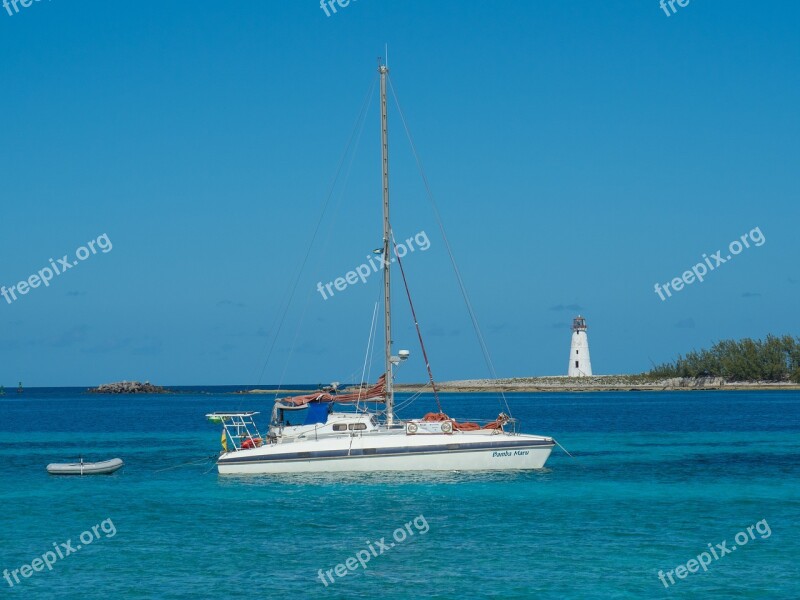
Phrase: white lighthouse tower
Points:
(580, 365)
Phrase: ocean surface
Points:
(655, 479)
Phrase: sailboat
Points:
(341, 433)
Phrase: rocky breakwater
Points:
(128, 387)
(694, 383)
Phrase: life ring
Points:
(447, 427)
(251, 443)
(412, 428)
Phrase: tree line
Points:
(772, 359)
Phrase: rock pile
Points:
(128, 387)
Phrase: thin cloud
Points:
(437, 331)
(222, 303)
(147, 347)
(569, 307)
(108, 345)
(70, 337)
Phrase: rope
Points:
(562, 447)
(484, 348)
(194, 462)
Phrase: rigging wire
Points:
(374, 338)
(281, 315)
(484, 348)
(408, 402)
(366, 355)
(363, 114)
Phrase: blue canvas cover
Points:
(317, 412)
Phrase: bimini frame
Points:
(238, 426)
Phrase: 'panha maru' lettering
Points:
(509, 453)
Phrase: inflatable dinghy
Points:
(85, 468)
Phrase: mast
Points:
(387, 288)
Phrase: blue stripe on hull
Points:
(398, 450)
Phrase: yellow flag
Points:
(224, 441)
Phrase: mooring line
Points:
(564, 449)
(194, 462)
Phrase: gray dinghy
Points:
(85, 468)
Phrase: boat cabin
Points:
(319, 421)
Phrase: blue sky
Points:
(579, 153)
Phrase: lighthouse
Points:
(580, 365)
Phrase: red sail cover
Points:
(379, 389)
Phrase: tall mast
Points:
(387, 288)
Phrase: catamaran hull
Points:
(512, 457)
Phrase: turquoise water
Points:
(656, 478)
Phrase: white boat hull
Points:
(456, 452)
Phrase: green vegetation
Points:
(772, 359)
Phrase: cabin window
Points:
(358, 426)
(340, 427)
(285, 420)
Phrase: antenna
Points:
(386, 53)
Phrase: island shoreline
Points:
(596, 383)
